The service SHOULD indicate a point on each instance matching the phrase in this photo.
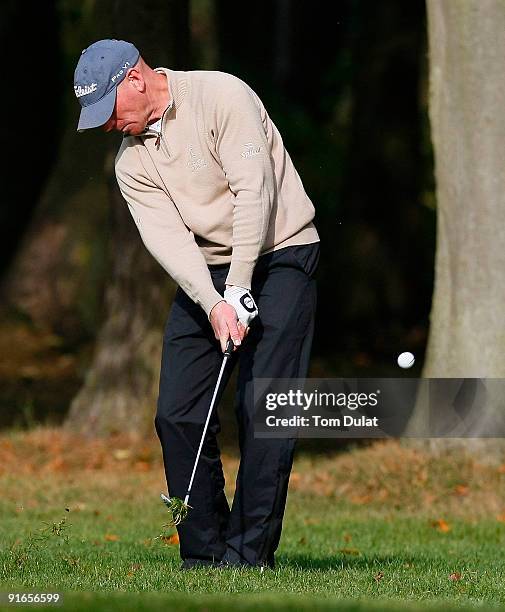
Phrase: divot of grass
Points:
(178, 509)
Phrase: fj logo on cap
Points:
(84, 91)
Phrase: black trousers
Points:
(278, 345)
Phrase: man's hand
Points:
(225, 323)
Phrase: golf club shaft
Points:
(227, 353)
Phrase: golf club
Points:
(177, 506)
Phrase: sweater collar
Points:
(177, 88)
(177, 83)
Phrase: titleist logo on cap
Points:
(84, 91)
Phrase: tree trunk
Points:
(467, 88)
(121, 383)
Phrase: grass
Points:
(177, 509)
(376, 528)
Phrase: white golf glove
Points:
(242, 300)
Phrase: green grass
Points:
(105, 553)
(342, 554)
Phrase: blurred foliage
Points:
(345, 83)
(350, 101)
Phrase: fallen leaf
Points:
(455, 576)
(121, 454)
(58, 464)
(461, 489)
(441, 525)
(171, 539)
(361, 499)
(379, 576)
(110, 537)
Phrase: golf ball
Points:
(406, 360)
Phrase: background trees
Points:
(83, 304)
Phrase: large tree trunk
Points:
(467, 89)
(120, 388)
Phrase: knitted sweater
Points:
(215, 186)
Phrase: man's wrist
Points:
(210, 311)
(240, 274)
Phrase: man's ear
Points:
(135, 79)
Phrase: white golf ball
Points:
(406, 360)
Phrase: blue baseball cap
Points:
(100, 69)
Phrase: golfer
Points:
(219, 204)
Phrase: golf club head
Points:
(165, 499)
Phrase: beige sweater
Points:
(218, 186)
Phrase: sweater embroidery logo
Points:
(195, 162)
(250, 150)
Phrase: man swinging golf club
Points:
(219, 204)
